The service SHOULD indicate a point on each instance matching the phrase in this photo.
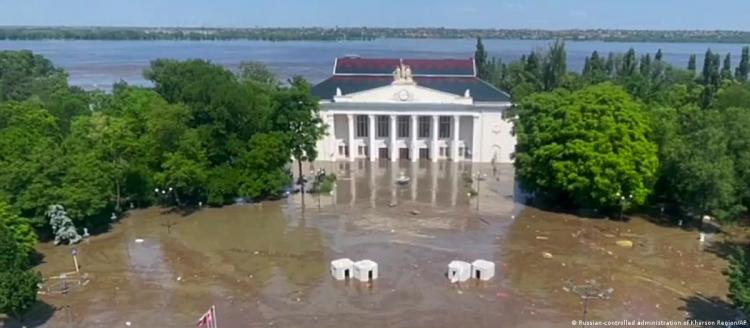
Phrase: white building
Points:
(411, 109)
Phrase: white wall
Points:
(495, 136)
(496, 139)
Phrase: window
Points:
(361, 126)
(442, 151)
(362, 150)
(403, 126)
(383, 126)
(424, 126)
(445, 126)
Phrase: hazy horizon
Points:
(485, 14)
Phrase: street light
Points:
(477, 176)
(623, 200)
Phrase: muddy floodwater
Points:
(267, 264)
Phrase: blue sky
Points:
(543, 14)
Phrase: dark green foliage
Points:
(204, 132)
(481, 59)
(18, 285)
(264, 169)
(743, 69)
(257, 73)
(726, 68)
(20, 227)
(585, 147)
(692, 65)
(18, 290)
(739, 279)
(629, 64)
(12, 254)
(555, 66)
(659, 55)
(23, 74)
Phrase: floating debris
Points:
(624, 243)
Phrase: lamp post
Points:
(623, 200)
(477, 176)
(164, 192)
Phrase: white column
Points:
(454, 135)
(392, 146)
(434, 141)
(352, 147)
(333, 143)
(413, 149)
(371, 137)
(475, 147)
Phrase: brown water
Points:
(266, 264)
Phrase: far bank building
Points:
(411, 109)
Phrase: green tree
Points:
(23, 74)
(555, 66)
(629, 64)
(692, 66)
(702, 174)
(296, 112)
(259, 73)
(265, 173)
(18, 290)
(585, 147)
(18, 285)
(20, 227)
(185, 169)
(711, 77)
(733, 95)
(12, 254)
(739, 279)
(659, 55)
(743, 69)
(481, 60)
(726, 69)
(30, 156)
(645, 65)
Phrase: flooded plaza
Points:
(267, 264)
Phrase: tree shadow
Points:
(724, 248)
(37, 316)
(701, 308)
(183, 211)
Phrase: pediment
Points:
(404, 93)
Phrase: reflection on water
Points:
(438, 184)
(266, 264)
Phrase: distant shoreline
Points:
(25, 33)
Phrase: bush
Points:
(739, 280)
(18, 290)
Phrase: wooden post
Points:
(75, 259)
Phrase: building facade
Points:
(401, 109)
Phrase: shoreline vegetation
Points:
(363, 34)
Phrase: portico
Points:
(400, 134)
(412, 116)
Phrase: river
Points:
(99, 64)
